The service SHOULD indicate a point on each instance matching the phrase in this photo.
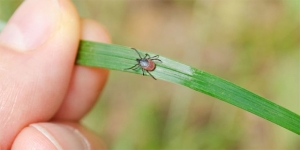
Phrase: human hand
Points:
(43, 95)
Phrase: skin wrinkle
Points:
(12, 96)
(8, 93)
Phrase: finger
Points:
(63, 136)
(87, 82)
(37, 52)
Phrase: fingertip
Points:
(87, 82)
(57, 136)
(85, 87)
(94, 31)
(37, 140)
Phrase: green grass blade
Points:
(119, 57)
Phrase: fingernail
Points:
(31, 25)
(62, 136)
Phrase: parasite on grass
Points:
(146, 63)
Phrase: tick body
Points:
(145, 63)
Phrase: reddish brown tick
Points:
(146, 63)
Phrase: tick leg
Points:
(137, 52)
(154, 57)
(157, 59)
(136, 67)
(143, 72)
(147, 55)
(132, 67)
(151, 75)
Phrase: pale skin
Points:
(41, 94)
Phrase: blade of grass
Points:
(119, 57)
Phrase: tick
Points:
(146, 63)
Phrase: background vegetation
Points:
(252, 43)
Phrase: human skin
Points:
(41, 94)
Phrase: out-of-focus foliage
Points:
(253, 43)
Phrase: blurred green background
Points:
(252, 43)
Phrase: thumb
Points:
(37, 52)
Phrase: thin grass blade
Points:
(117, 57)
